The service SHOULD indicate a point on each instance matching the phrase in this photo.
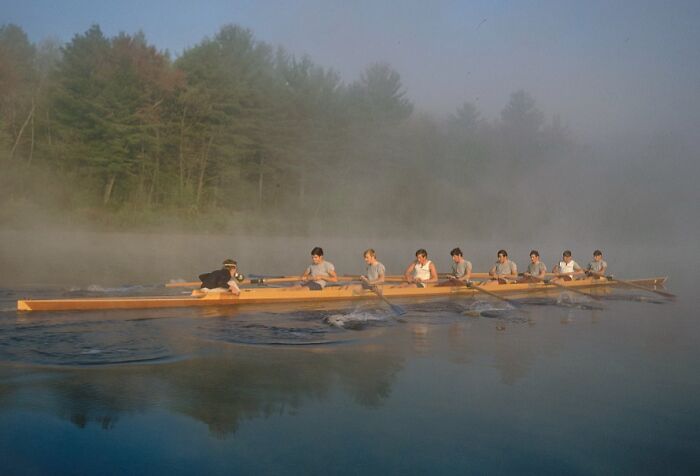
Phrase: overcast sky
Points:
(607, 67)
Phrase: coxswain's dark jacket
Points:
(215, 279)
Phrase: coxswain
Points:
(222, 280)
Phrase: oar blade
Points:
(398, 310)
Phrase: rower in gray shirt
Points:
(320, 271)
(598, 266)
(504, 270)
(324, 269)
(374, 271)
(461, 268)
(536, 270)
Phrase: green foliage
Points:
(235, 133)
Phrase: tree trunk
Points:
(21, 130)
(182, 151)
(154, 180)
(31, 144)
(108, 189)
(200, 184)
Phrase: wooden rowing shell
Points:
(291, 295)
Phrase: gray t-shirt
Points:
(508, 267)
(459, 270)
(375, 270)
(321, 270)
(597, 266)
(536, 269)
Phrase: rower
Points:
(375, 270)
(221, 280)
(461, 269)
(567, 269)
(597, 268)
(536, 270)
(320, 271)
(504, 271)
(421, 271)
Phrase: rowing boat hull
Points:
(290, 295)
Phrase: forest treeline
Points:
(240, 130)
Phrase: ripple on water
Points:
(76, 344)
(357, 320)
(502, 311)
(294, 328)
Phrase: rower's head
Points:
(502, 256)
(231, 266)
(317, 255)
(566, 256)
(421, 256)
(456, 255)
(598, 255)
(370, 256)
(534, 256)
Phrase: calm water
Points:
(563, 385)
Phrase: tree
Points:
(107, 102)
(18, 86)
(377, 96)
(520, 117)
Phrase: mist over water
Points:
(483, 126)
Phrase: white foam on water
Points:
(354, 318)
(489, 306)
(91, 351)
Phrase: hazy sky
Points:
(606, 67)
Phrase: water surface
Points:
(562, 384)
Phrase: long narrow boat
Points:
(291, 295)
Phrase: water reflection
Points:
(220, 391)
(214, 376)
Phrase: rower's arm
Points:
(492, 271)
(433, 273)
(514, 269)
(379, 280)
(409, 272)
(600, 273)
(332, 276)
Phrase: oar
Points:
(401, 278)
(398, 310)
(470, 285)
(592, 296)
(639, 286)
(276, 279)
